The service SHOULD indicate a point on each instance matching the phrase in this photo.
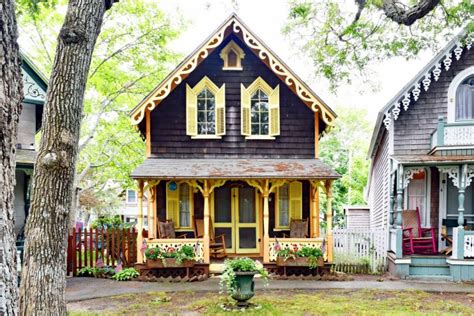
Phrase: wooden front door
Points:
(236, 216)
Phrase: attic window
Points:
(232, 55)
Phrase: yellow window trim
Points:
(273, 108)
(192, 111)
(177, 223)
(232, 46)
(277, 207)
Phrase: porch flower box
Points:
(169, 263)
(297, 262)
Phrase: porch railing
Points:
(166, 244)
(294, 242)
(454, 134)
(469, 244)
(361, 246)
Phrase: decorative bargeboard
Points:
(291, 242)
(165, 244)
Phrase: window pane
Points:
(254, 105)
(201, 116)
(264, 117)
(211, 128)
(222, 210)
(184, 212)
(264, 129)
(211, 102)
(283, 206)
(131, 196)
(231, 59)
(248, 238)
(202, 94)
(255, 129)
(210, 116)
(465, 100)
(227, 232)
(247, 205)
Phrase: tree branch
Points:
(407, 16)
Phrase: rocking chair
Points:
(417, 240)
(166, 230)
(217, 243)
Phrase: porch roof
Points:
(234, 169)
(429, 159)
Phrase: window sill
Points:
(260, 137)
(232, 68)
(183, 229)
(206, 137)
(280, 229)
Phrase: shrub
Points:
(126, 274)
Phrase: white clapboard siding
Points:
(352, 245)
(357, 217)
(379, 196)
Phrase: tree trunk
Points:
(11, 94)
(44, 273)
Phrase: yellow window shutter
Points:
(191, 111)
(296, 200)
(220, 111)
(274, 100)
(245, 110)
(172, 205)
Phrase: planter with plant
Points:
(305, 256)
(237, 278)
(170, 257)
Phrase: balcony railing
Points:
(454, 134)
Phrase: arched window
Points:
(232, 56)
(205, 110)
(465, 100)
(461, 97)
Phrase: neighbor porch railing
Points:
(166, 244)
(453, 134)
(463, 243)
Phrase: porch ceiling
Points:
(428, 159)
(234, 169)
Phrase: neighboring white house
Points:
(128, 208)
(357, 216)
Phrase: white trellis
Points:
(358, 244)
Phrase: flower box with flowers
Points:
(295, 256)
(170, 257)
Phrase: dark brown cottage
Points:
(232, 143)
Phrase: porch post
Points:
(206, 193)
(329, 220)
(140, 221)
(461, 190)
(398, 221)
(151, 211)
(266, 221)
(315, 231)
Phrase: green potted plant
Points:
(170, 257)
(237, 278)
(295, 256)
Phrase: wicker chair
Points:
(417, 240)
(166, 230)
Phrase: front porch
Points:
(252, 203)
(440, 188)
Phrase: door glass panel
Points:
(227, 232)
(247, 205)
(248, 237)
(222, 207)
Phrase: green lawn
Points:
(329, 302)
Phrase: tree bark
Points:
(11, 94)
(400, 14)
(44, 273)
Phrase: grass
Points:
(328, 302)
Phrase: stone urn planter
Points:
(245, 286)
(169, 263)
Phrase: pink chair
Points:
(417, 240)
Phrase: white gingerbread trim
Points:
(452, 172)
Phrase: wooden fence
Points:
(112, 245)
(360, 250)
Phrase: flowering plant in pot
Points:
(170, 257)
(237, 278)
(296, 256)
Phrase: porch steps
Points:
(429, 268)
(216, 268)
(430, 278)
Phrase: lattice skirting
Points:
(298, 272)
(199, 272)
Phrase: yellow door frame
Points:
(224, 225)
(238, 225)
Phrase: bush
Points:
(184, 253)
(126, 274)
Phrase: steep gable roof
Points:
(234, 25)
(412, 90)
(35, 83)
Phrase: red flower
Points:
(170, 249)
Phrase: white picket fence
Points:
(361, 246)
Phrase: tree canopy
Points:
(129, 60)
(342, 40)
